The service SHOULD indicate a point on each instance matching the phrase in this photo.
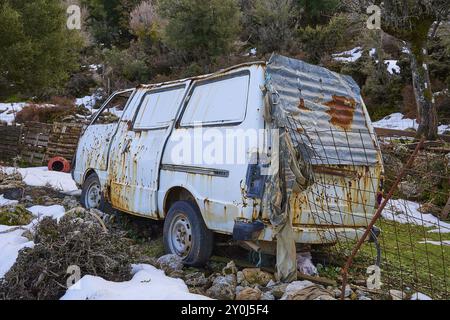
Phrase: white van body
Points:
(137, 162)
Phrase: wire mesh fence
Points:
(384, 205)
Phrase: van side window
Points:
(114, 109)
(159, 107)
(218, 101)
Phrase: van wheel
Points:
(186, 234)
(91, 195)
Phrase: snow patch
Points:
(436, 243)
(6, 202)
(396, 121)
(148, 283)
(8, 111)
(54, 212)
(10, 245)
(349, 56)
(407, 212)
(392, 66)
(41, 177)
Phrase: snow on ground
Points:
(88, 101)
(392, 66)
(349, 56)
(6, 202)
(148, 283)
(398, 121)
(8, 111)
(436, 243)
(41, 176)
(55, 212)
(10, 245)
(407, 212)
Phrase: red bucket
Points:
(59, 164)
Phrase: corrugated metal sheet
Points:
(326, 111)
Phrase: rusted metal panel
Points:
(329, 124)
(329, 110)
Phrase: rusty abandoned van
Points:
(165, 152)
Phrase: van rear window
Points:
(217, 102)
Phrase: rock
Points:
(306, 290)
(170, 263)
(409, 189)
(253, 276)
(325, 297)
(364, 298)
(249, 293)
(230, 268)
(278, 290)
(420, 296)
(397, 294)
(267, 296)
(337, 293)
(239, 289)
(196, 279)
(197, 290)
(305, 265)
(348, 291)
(360, 294)
(223, 288)
(294, 287)
(240, 277)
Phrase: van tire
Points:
(185, 230)
(92, 182)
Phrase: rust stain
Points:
(341, 111)
(302, 105)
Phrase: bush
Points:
(38, 51)
(270, 25)
(323, 40)
(44, 113)
(201, 30)
(40, 273)
(80, 84)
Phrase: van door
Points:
(92, 151)
(136, 150)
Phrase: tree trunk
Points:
(426, 108)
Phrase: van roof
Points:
(206, 76)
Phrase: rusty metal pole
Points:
(402, 174)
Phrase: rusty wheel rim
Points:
(93, 196)
(180, 235)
